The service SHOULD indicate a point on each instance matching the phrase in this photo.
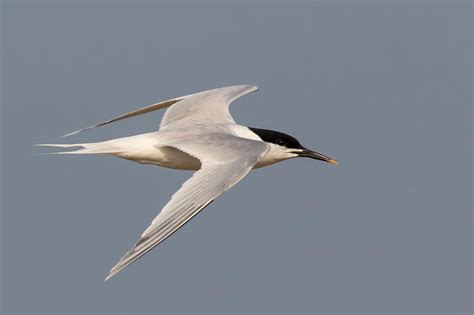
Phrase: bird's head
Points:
(285, 146)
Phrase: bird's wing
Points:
(137, 112)
(212, 103)
(206, 107)
(196, 193)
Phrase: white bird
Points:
(198, 133)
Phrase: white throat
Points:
(276, 154)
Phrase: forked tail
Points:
(85, 148)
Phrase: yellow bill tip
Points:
(333, 162)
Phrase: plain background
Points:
(385, 87)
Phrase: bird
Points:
(196, 132)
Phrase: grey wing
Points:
(212, 104)
(206, 107)
(194, 195)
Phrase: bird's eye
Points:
(281, 142)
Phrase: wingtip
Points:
(115, 270)
(112, 272)
(79, 131)
(250, 87)
(110, 275)
(70, 134)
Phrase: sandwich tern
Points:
(198, 133)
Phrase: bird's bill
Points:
(315, 155)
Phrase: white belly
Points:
(145, 149)
(173, 158)
(163, 156)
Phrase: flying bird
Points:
(197, 133)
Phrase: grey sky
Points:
(384, 87)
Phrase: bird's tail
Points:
(106, 147)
